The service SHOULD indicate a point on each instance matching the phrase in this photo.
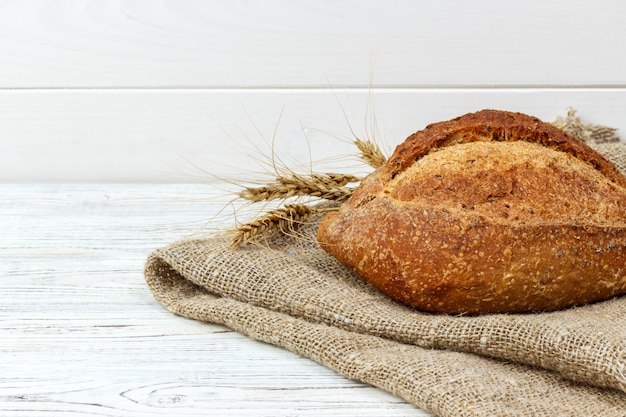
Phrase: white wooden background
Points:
(165, 95)
(143, 91)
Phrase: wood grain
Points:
(279, 43)
(80, 333)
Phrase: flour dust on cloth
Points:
(294, 295)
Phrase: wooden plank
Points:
(176, 135)
(279, 43)
(80, 333)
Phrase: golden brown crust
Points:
(495, 125)
(456, 223)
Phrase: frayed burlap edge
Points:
(587, 132)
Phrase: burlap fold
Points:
(292, 294)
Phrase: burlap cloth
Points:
(292, 294)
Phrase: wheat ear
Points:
(370, 153)
(326, 186)
(283, 219)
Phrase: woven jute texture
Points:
(291, 293)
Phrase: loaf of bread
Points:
(491, 212)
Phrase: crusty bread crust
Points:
(494, 125)
(490, 212)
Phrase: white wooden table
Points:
(80, 333)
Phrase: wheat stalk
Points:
(370, 153)
(283, 219)
(330, 186)
(326, 186)
(335, 179)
